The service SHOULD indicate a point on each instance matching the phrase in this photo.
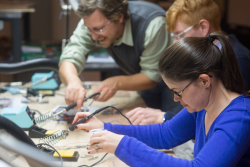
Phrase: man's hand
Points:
(145, 116)
(75, 93)
(107, 88)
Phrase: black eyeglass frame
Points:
(179, 93)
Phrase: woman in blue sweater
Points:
(216, 112)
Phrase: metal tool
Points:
(40, 121)
(93, 158)
(44, 79)
(54, 139)
(72, 127)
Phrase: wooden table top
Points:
(124, 100)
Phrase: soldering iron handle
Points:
(93, 95)
(85, 99)
(72, 127)
(71, 106)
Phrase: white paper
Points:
(31, 49)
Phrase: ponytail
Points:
(230, 73)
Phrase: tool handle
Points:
(85, 99)
(71, 106)
(72, 127)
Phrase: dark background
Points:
(44, 27)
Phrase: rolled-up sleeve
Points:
(157, 39)
(78, 48)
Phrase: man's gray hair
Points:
(110, 8)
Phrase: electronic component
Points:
(42, 120)
(70, 115)
(63, 134)
(53, 139)
(45, 81)
(72, 127)
(23, 117)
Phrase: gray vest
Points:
(127, 57)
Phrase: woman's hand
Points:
(104, 142)
(92, 123)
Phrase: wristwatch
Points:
(164, 117)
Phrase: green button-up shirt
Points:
(156, 40)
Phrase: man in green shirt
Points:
(134, 34)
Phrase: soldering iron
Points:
(51, 116)
(72, 127)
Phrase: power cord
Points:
(34, 110)
(54, 150)
(106, 153)
(121, 113)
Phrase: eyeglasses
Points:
(179, 93)
(178, 36)
(100, 31)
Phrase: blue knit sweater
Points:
(226, 144)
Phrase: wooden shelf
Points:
(16, 6)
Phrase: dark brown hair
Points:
(110, 8)
(189, 57)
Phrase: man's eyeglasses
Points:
(100, 31)
(179, 93)
(178, 36)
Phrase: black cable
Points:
(85, 99)
(106, 153)
(121, 113)
(15, 130)
(37, 111)
(97, 96)
(53, 149)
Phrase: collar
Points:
(127, 35)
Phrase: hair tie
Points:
(211, 39)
